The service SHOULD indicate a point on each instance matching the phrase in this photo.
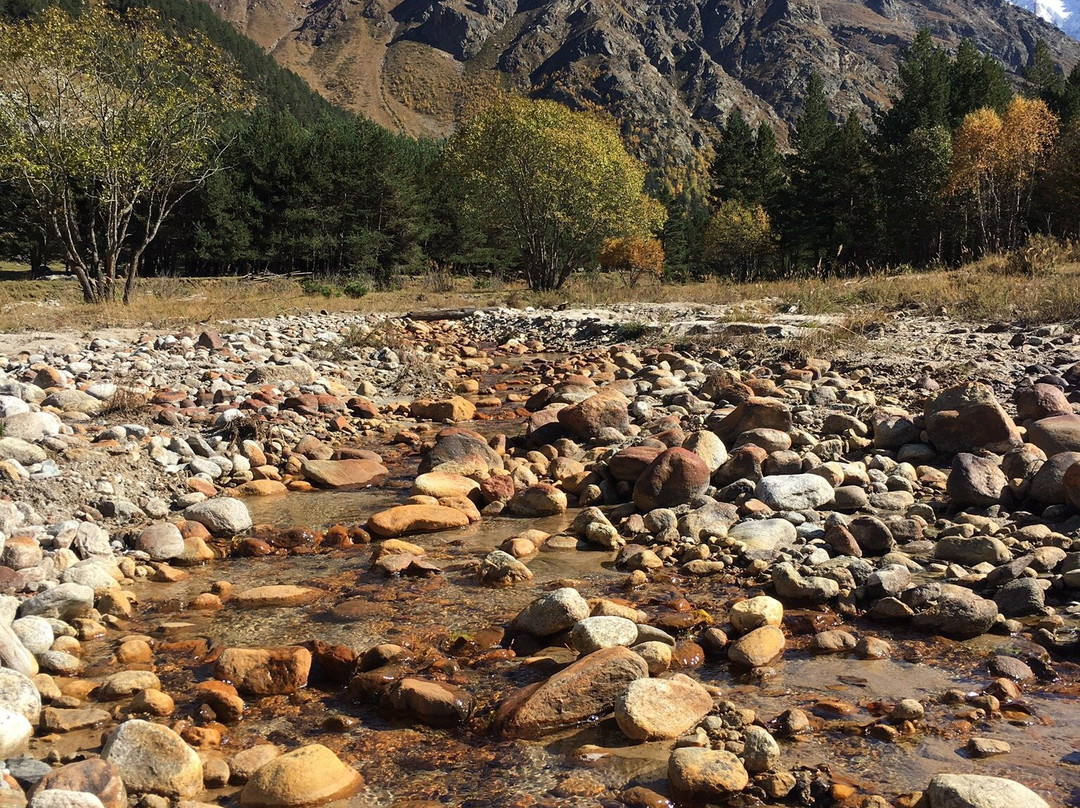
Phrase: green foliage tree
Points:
(551, 183)
(732, 165)
(976, 80)
(922, 100)
(108, 123)
(738, 239)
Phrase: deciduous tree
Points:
(551, 182)
(108, 122)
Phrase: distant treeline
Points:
(957, 166)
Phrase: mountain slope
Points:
(1065, 14)
(668, 69)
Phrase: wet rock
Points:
(794, 492)
(353, 473)
(676, 476)
(980, 791)
(245, 763)
(975, 481)
(162, 541)
(94, 776)
(652, 709)
(706, 773)
(538, 500)
(265, 671)
(760, 647)
(747, 615)
(502, 569)
(223, 516)
(440, 484)
(126, 683)
(310, 775)
(958, 612)
(151, 758)
(407, 520)
(987, 747)
(968, 417)
(973, 550)
(587, 688)
(261, 597)
(832, 642)
(761, 752)
(557, 611)
(434, 703)
(594, 633)
(454, 408)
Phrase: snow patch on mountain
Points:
(1065, 14)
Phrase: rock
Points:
(1048, 483)
(310, 775)
(126, 683)
(761, 752)
(440, 484)
(760, 647)
(594, 633)
(652, 709)
(764, 535)
(708, 447)
(265, 671)
(973, 550)
(14, 655)
(975, 481)
(538, 500)
(986, 747)
(676, 476)
(587, 419)
(1039, 401)
(343, 473)
(434, 703)
(21, 451)
(502, 569)
(15, 732)
(791, 585)
(1059, 433)
(628, 464)
(794, 492)
(261, 597)
(162, 541)
(705, 773)
(1019, 598)
(245, 763)
(20, 553)
(55, 719)
(407, 520)
(94, 776)
(968, 417)
(656, 654)
(66, 602)
(153, 702)
(587, 688)
(832, 642)
(980, 791)
(64, 799)
(454, 408)
(296, 372)
(151, 758)
(958, 612)
(31, 426)
(223, 516)
(557, 611)
(747, 615)
(19, 695)
(754, 413)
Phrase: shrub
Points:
(355, 289)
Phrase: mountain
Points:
(1065, 14)
(668, 69)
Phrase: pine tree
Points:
(732, 164)
(922, 99)
(976, 80)
(767, 177)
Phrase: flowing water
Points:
(403, 761)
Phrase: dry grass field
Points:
(987, 290)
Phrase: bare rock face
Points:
(587, 688)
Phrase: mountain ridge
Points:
(669, 70)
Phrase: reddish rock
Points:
(586, 419)
(676, 476)
(406, 520)
(754, 413)
(975, 481)
(265, 671)
(454, 408)
(587, 688)
(1059, 433)
(94, 776)
(968, 417)
(433, 703)
(628, 464)
(1040, 401)
(343, 473)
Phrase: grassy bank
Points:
(979, 291)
